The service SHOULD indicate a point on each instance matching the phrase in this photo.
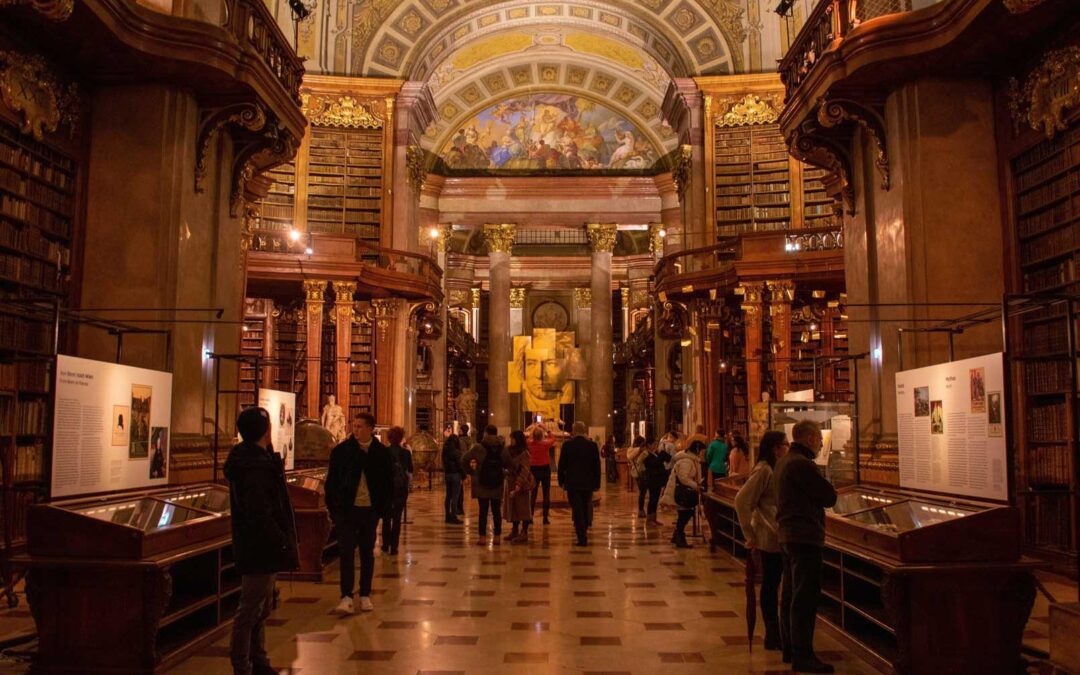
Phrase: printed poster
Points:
(282, 408)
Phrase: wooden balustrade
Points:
(252, 24)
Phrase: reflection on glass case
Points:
(145, 514)
(839, 432)
(307, 488)
(919, 527)
(212, 498)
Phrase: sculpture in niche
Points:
(466, 405)
(635, 405)
(333, 418)
(550, 315)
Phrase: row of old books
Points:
(1046, 377)
(31, 376)
(29, 462)
(1049, 466)
(1047, 423)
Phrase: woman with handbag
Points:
(518, 489)
(685, 487)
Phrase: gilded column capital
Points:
(624, 294)
(751, 293)
(656, 242)
(385, 308)
(781, 290)
(517, 297)
(583, 298)
(315, 290)
(459, 297)
(499, 238)
(475, 298)
(602, 237)
(343, 292)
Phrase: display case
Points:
(164, 556)
(839, 430)
(315, 535)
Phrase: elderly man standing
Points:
(803, 494)
(579, 475)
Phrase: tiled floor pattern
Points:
(629, 603)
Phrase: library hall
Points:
(585, 337)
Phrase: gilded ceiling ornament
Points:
(1021, 6)
(54, 10)
(680, 169)
(750, 109)
(1048, 92)
(367, 17)
(499, 238)
(344, 111)
(602, 237)
(517, 297)
(583, 298)
(30, 87)
(415, 164)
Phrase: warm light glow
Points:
(434, 233)
(309, 250)
(294, 235)
(662, 233)
(877, 353)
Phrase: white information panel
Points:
(110, 427)
(951, 427)
(282, 408)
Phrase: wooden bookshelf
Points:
(277, 209)
(252, 343)
(752, 174)
(362, 370)
(1046, 231)
(344, 182)
(290, 347)
(818, 330)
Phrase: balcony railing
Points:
(829, 23)
(251, 23)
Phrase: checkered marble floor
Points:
(629, 603)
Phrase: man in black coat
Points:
(579, 475)
(359, 491)
(453, 474)
(803, 494)
(264, 536)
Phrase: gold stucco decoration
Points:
(29, 87)
(344, 111)
(517, 297)
(459, 297)
(750, 109)
(602, 237)
(415, 164)
(499, 238)
(583, 298)
(680, 169)
(1048, 92)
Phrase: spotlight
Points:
(308, 250)
(877, 353)
(813, 326)
(294, 235)
(662, 233)
(433, 233)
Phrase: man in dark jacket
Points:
(579, 475)
(803, 495)
(359, 491)
(453, 474)
(264, 536)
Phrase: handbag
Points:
(686, 497)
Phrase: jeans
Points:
(453, 491)
(654, 497)
(685, 516)
(248, 646)
(496, 516)
(643, 489)
(542, 474)
(358, 531)
(772, 569)
(580, 505)
(391, 531)
(799, 600)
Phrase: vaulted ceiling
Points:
(620, 54)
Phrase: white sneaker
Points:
(365, 604)
(345, 606)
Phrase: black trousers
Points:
(453, 493)
(496, 515)
(580, 507)
(654, 496)
(772, 570)
(802, 589)
(542, 474)
(391, 530)
(685, 516)
(358, 531)
(643, 490)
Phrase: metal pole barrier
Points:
(217, 412)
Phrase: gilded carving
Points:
(414, 162)
(499, 238)
(30, 87)
(440, 242)
(343, 300)
(315, 291)
(602, 237)
(583, 298)
(833, 112)
(459, 297)
(656, 242)
(343, 111)
(250, 116)
(517, 297)
(624, 296)
(639, 297)
(680, 169)
(781, 291)
(54, 10)
(475, 298)
(750, 109)
(1048, 92)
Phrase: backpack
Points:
(491, 471)
(398, 477)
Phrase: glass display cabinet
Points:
(314, 532)
(839, 430)
(164, 556)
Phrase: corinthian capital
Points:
(499, 238)
(601, 237)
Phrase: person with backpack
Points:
(635, 458)
(401, 471)
(453, 474)
(683, 487)
(486, 462)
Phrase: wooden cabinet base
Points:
(317, 546)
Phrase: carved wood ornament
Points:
(749, 109)
(30, 87)
(343, 111)
(1048, 92)
(835, 112)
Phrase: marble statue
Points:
(466, 405)
(333, 419)
(635, 406)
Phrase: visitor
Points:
(803, 494)
(739, 456)
(698, 435)
(755, 505)
(541, 456)
(359, 491)
(610, 465)
(263, 537)
(486, 462)
(683, 488)
(635, 460)
(453, 474)
(716, 457)
(465, 442)
(579, 475)
(656, 474)
(401, 472)
(517, 493)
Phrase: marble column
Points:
(315, 300)
(601, 378)
(781, 293)
(386, 313)
(439, 384)
(517, 310)
(343, 326)
(583, 321)
(751, 307)
(499, 240)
